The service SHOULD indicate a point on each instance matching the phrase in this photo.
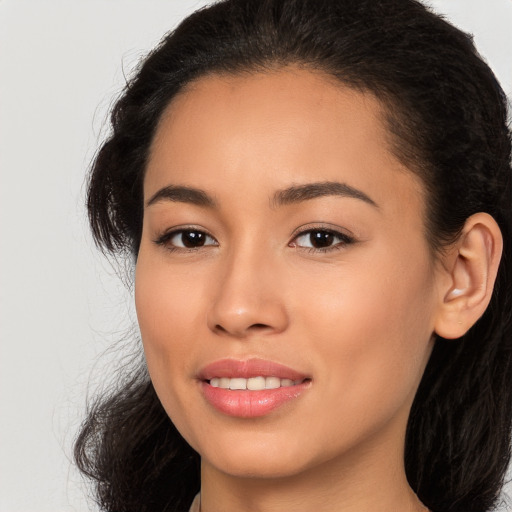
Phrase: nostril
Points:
(258, 326)
(253, 327)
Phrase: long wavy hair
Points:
(448, 118)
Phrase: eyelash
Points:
(343, 238)
(164, 239)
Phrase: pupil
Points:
(321, 239)
(192, 239)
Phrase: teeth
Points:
(256, 383)
(238, 383)
(272, 382)
(253, 383)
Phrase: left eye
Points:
(321, 239)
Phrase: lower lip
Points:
(251, 404)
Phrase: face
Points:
(283, 250)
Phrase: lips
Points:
(250, 368)
(252, 388)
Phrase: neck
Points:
(371, 477)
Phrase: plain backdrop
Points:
(61, 304)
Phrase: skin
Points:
(358, 320)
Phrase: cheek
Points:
(371, 333)
(158, 308)
(169, 315)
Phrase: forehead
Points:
(271, 107)
(272, 129)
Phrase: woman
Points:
(317, 197)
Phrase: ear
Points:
(470, 270)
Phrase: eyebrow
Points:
(291, 195)
(182, 194)
(299, 193)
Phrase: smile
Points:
(253, 383)
(251, 388)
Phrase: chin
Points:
(256, 458)
(257, 467)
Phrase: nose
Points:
(248, 298)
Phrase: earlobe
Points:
(472, 267)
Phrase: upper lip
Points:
(246, 369)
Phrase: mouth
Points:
(251, 388)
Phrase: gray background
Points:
(61, 304)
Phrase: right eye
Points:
(185, 239)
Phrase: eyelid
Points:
(168, 234)
(331, 228)
(346, 238)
